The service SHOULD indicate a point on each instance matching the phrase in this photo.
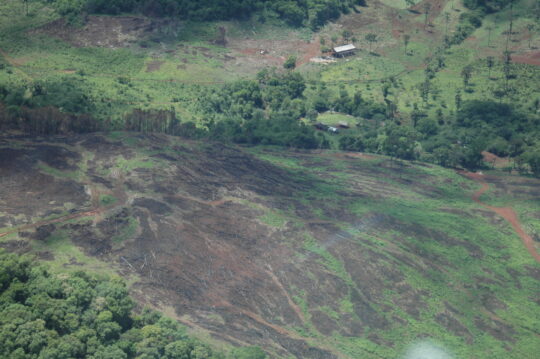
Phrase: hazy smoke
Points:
(426, 350)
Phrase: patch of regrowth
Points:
(107, 200)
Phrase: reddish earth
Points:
(313, 49)
(532, 58)
(495, 160)
(506, 212)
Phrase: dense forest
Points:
(49, 316)
(295, 12)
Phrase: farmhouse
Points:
(345, 50)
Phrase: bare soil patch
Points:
(495, 160)
(100, 31)
(532, 58)
(254, 55)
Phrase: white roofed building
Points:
(344, 50)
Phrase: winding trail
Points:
(505, 212)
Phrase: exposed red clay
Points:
(530, 59)
(506, 212)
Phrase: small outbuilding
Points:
(345, 50)
(343, 124)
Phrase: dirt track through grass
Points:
(505, 212)
(14, 64)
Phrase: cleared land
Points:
(316, 255)
(132, 62)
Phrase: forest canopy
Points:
(295, 12)
(48, 316)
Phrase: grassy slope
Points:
(455, 285)
(183, 64)
(429, 198)
(358, 73)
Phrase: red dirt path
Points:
(506, 212)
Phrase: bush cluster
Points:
(47, 316)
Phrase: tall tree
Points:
(490, 61)
(371, 38)
(406, 39)
(530, 29)
(446, 23)
(427, 9)
(466, 74)
(458, 99)
(507, 68)
(25, 4)
(510, 26)
(489, 29)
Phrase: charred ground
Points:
(315, 255)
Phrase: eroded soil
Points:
(250, 250)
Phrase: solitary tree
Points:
(466, 73)
(458, 99)
(26, 6)
(290, 63)
(530, 29)
(489, 29)
(425, 89)
(371, 38)
(427, 8)
(406, 39)
(446, 23)
(507, 68)
(490, 61)
(511, 25)
(346, 34)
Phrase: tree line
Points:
(281, 108)
(314, 13)
(70, 316)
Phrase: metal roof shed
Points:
(344, 50)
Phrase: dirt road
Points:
(506, 212)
